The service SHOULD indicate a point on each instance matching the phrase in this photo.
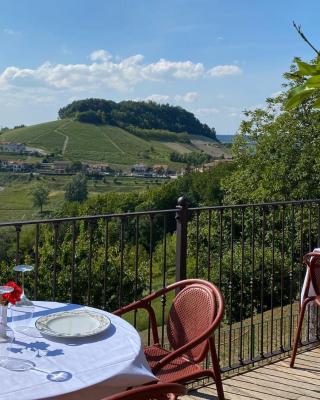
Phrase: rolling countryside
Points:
(77, 141)
(68, 139)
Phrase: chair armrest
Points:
(131, 307)
(143, 305)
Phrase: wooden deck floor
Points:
(273, 381)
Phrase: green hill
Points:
(138, 114)
(77, 141)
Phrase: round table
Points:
(97, 366)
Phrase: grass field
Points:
(181, 148)
(16, 199)
(90, 143)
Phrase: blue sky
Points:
(215, 58)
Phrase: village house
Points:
(61, 167)
(161, 169)
(12, 147)
(98, 169)
(140, 170)
(16, 165)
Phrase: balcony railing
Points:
(253, 252)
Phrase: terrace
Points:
(252, 252)
(273, 381)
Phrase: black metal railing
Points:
(253, 252)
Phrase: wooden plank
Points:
(294, 372)
(263, 392)
(272, 382)
(233, 387)
(284, 380)
(309, 354)
(212, 395)
(287, 373)
(283, 386)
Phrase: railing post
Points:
(181, 242)
(18, 253)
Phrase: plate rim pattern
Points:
(41, 323)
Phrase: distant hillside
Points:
(77, 141)
(226, 138)
(138, 114)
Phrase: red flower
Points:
(14, 296)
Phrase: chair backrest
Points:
(158, 391)
(313, 262)
(192, 312)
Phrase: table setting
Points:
(65, 351)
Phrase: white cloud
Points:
(189, 97)
(175, 69)
(100, 55)
(101, 73)
(222, 70)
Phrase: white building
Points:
(139, 170)
(12, 147)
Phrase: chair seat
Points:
(177, 370)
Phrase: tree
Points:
(77, 189)
(76, 166)
(40, 196)
(276, 155)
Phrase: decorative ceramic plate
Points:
(73, 324)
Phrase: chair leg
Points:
(216, 369)
(298, 332)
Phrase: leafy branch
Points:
(309, 73)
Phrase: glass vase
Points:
(3, 319)
(22, 311)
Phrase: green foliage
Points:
(158, 134)
(76, 166)
(192, 158)
(144, 115)
(40, 196)
(104, 278)
(276, 155)
(89, 117)
(77, 189)
(308, 75)
(221, 251)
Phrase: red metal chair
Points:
(158, 391)
(312, 261)
(195, 313)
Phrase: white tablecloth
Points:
(104, 364)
